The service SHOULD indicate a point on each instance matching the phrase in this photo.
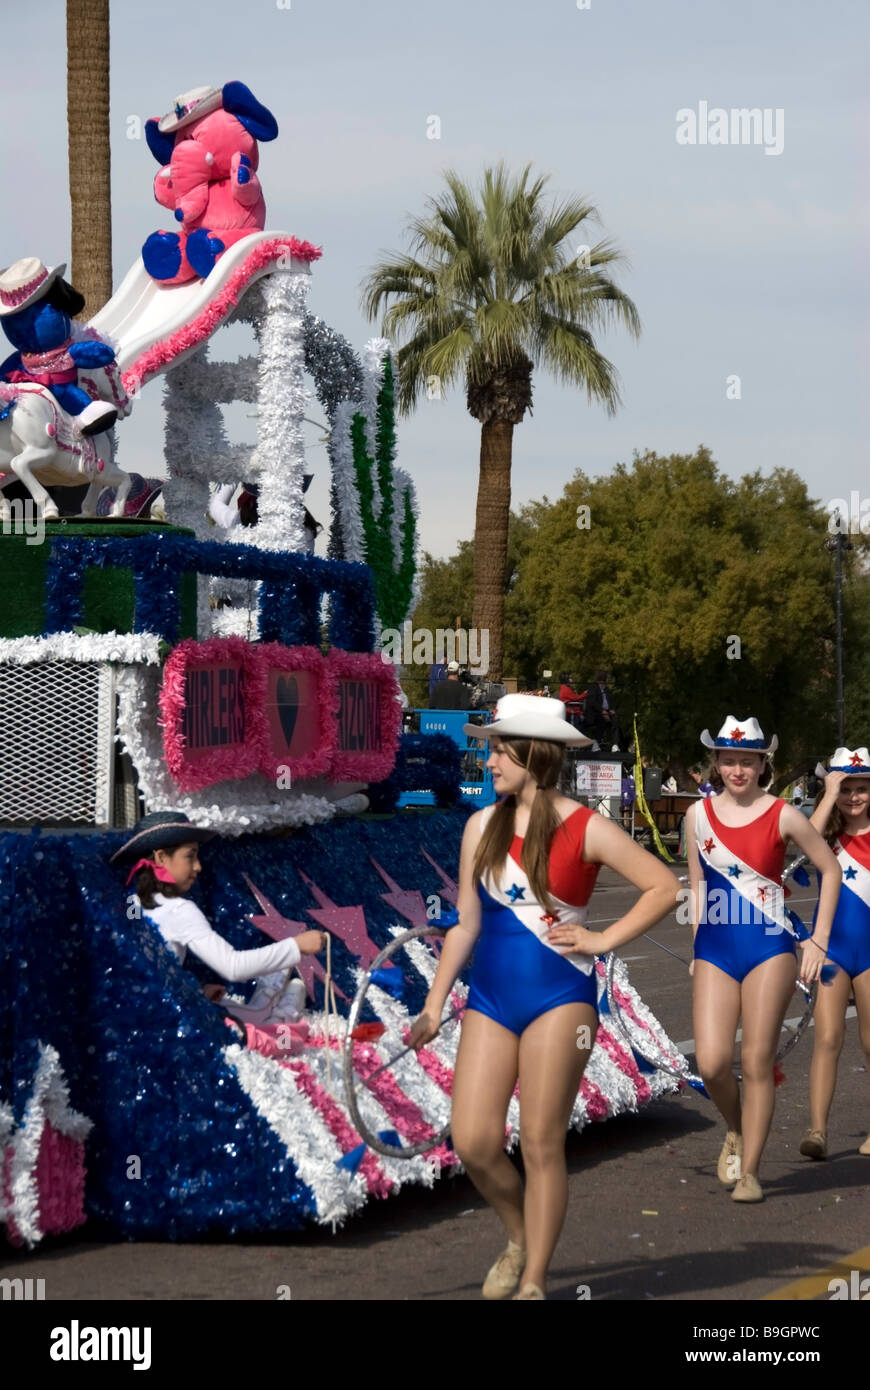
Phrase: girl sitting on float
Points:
(744, 939)
(164, 853)
(842, 815)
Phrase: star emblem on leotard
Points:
(708, 845)
(550, 918)
(851, 872)
(734, 870)
(737, 735)
(515, 891)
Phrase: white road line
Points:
(689, 1044)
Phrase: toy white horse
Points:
(40, 445)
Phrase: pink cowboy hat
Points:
(25, 282)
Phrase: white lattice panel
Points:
(56, 743)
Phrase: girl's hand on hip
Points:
(568, 939)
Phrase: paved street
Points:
(647, 1217)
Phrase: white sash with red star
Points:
(742, 895)
(513, 891)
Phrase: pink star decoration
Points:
(348, 923)
(274, 924)
(449, 889)
(409, 902)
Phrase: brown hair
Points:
(714, 776)
(834, 827)
(543, 760)
(147, 884)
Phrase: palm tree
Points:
(493, 287)
(87, 46)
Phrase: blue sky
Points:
(740, 262)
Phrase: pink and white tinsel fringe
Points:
(162, 354)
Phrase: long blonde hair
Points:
(542, 759)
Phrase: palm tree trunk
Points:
(491, 537)
(87, 41)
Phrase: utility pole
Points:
(838, 544)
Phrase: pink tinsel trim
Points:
(315, 762)
(60, 1182)
(672, 1058)
(340, 1128)
(406, 1116)
(346, 765)
(60, 1185)
(624, 1060)
(434, 1068)
(220, 762)
(158, 357)
(597, 1105)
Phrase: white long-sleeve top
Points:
(182, 925)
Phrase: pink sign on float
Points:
(300, 721)
(214, 710)
(211, 711)
(230, 708)
(369, 716)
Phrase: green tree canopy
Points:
(703, 596)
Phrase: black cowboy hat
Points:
(160, 830)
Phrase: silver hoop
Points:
(618, 1017)
(796, 1033)
(371, 1138)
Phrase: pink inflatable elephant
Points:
(207, 147)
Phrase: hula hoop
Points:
(351, 1080)
(684, 1074)
(796, 1033)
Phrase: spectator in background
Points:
(570, 699)
(450, 693)
(600, 715)
(704, 787)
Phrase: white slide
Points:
(143, 314)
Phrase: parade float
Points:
(148, 665)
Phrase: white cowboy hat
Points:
(853, 760)
(199, 101)
(25, 282)
(529, 716)
(740, 733)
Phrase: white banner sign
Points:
(599, 779)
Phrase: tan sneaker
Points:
(504, 1277)
(529, 1292)
(748, 1189)
(814, 1144)
(865, 1147)
(729, 1167)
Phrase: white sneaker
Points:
(291, 1005)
